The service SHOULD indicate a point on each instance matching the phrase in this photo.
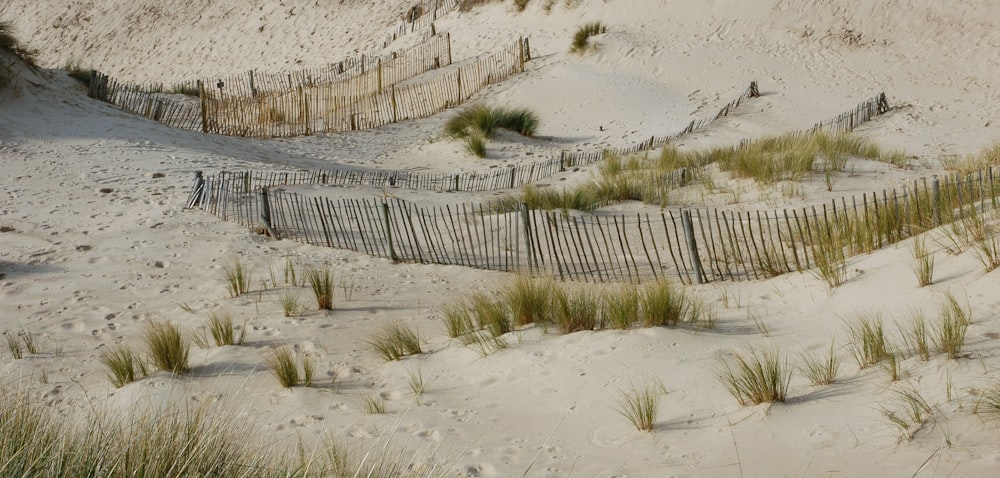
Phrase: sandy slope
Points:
(84, 268)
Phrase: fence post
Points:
(265, 213)
(520, 49)
(388, 231)
(526, 225)
(204, 112)
(527, 49)
(456, 183)
(379, 74)
(512, 170)
(562, 161)
(754, 93)
(936, 200)
(692, 245)
(448, 40)
(395, 113)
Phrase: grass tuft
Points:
(476, 144)
(281, 362)
(167, 347)
(924, 262)
(237, 279)
(124, 366)
(482, 120)
(869, 345)
(640, 404)
(756, 377)
(530, 299)
(581, 39)
(821, 370)
(220, 324)
(395, 341)
(322, 286)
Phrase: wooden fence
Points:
(691, 245)
(346, 106)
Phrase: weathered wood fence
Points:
(692, 245)
(366, 93)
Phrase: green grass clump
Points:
(220, 324)
(237, 279)
(924, 262)
(869, 345)
(281, 362)
(322, 286)
(167, 347)
(952, 325)
(395, 341)
(640, 404)
(484, 120)
(491, 313)
(581, 39)
(476, 144)
(456, 318)
(124, 366)
(662, 304)
(531, 299)
(20, 342)
(621, 308)
(756, 377)
(576, 310)
(821, 370)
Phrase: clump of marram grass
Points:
(475, 124)
(575, 310)
(178, 441)
(10, 43)
(374, 404)
(621, 308)
(167, 347)
(581, 39)
(237, 279)
(793, 156)
(282, 364)
(124, 365)
(476, 144)
(917, 335)
(491, 313)
(829, 256)
(291, 305)
(909, 414)
(756, 377)
(20, 342)
(322, 286)
(530, 299)
(821, 370)
(952, 325)
(395, 341)
(662, 304)
(924, 262)
(220, 324)
(640, 404)
(457, 319)
(868, 345)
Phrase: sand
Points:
(98, 241)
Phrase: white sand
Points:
(84, 269)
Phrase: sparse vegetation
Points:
(10, 43)
(124, 366)
(581, 39)
(756, 377)
(924, 267)
(395, 341)
(281, 362)
(167, 347)
(220, 324)
(237, 279)
(640, 404)
(322, 286)
(869, 345)
(821, 370)
(908, 413)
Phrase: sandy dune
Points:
(97, 241)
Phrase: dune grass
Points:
(281, 362)
(123, 365)
(10, 43)
(395, 341)
(321, 283)
(869, 344)
(38, 441)
(621, 307)
(237, 279)
(917, 335)
(821, 369)
(954, 320)
(576, 310)
(908, 412)
(756, 377)
(662, 304)
(167, 347)
(220, 325)
(923, 262)
(640, 404)
(476, 144)
(581, 39)
(484, 120)
(530, 300)
(291, 305)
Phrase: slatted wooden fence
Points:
(691, 245)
